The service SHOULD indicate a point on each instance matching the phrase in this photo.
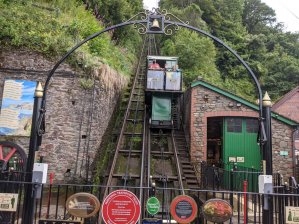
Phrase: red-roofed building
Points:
(288, 105)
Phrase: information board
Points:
(8, 202)
(183, 209)
(82, 205)
(217, 210)
(121, 206)
(152, 205)
(292, 215)
(17, 107)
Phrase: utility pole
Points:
(29, 198)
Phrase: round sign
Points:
(121, 206)
(217, 210)
(152, 205)
(183, 209)
(82, 205)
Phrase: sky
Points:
(287, 11)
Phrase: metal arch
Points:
(145, 16)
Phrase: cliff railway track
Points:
(146, 158)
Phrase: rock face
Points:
(76, 118)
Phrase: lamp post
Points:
(267, 156)
(29, 198)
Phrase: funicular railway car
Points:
(163, 87)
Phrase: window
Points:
(234, 125)
(252, 125)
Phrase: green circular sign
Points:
(152, 205)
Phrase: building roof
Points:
(288, 105)
(162, 57)
(242, 101)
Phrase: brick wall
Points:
(218, 105)
(76, 119)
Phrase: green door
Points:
(240, 142)
(240, 145)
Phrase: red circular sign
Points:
(121, 206)
(183, 209)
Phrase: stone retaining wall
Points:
(76, 118)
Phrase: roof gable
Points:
(241, 100)
(288, 105)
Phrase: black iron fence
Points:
(232, 178)
(51, 204)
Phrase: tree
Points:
(257, 16)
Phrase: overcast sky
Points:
(287, 11)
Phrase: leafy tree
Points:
(250, 28)
(257, 16)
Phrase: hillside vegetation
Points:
(250, 28)
(53, 27)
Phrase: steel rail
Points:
(178, 164)
(119, 142)
(143, 157)
(136, 110)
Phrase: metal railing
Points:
(216, 178)
(51, 204)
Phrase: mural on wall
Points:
(17, 107)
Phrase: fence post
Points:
(245, 200)
(231, 186)
(29, 194)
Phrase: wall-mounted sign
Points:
(232, 159)
(240, 159)
(152, 205)
(292, 215)
(17, 106)
(121, 206)
(183, 209)
(8, 202)
(152, 221)
(82, 205)
(217, 210)
(284, 153)
(44, 221)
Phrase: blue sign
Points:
(17, 106)
(152, 221)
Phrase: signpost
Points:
(217, 210)
(121, 206)
(82, 205)
(183, 209)
(8, 202)
(152, 221)
(152, 205)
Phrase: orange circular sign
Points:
(183, 209)
(83, 205)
